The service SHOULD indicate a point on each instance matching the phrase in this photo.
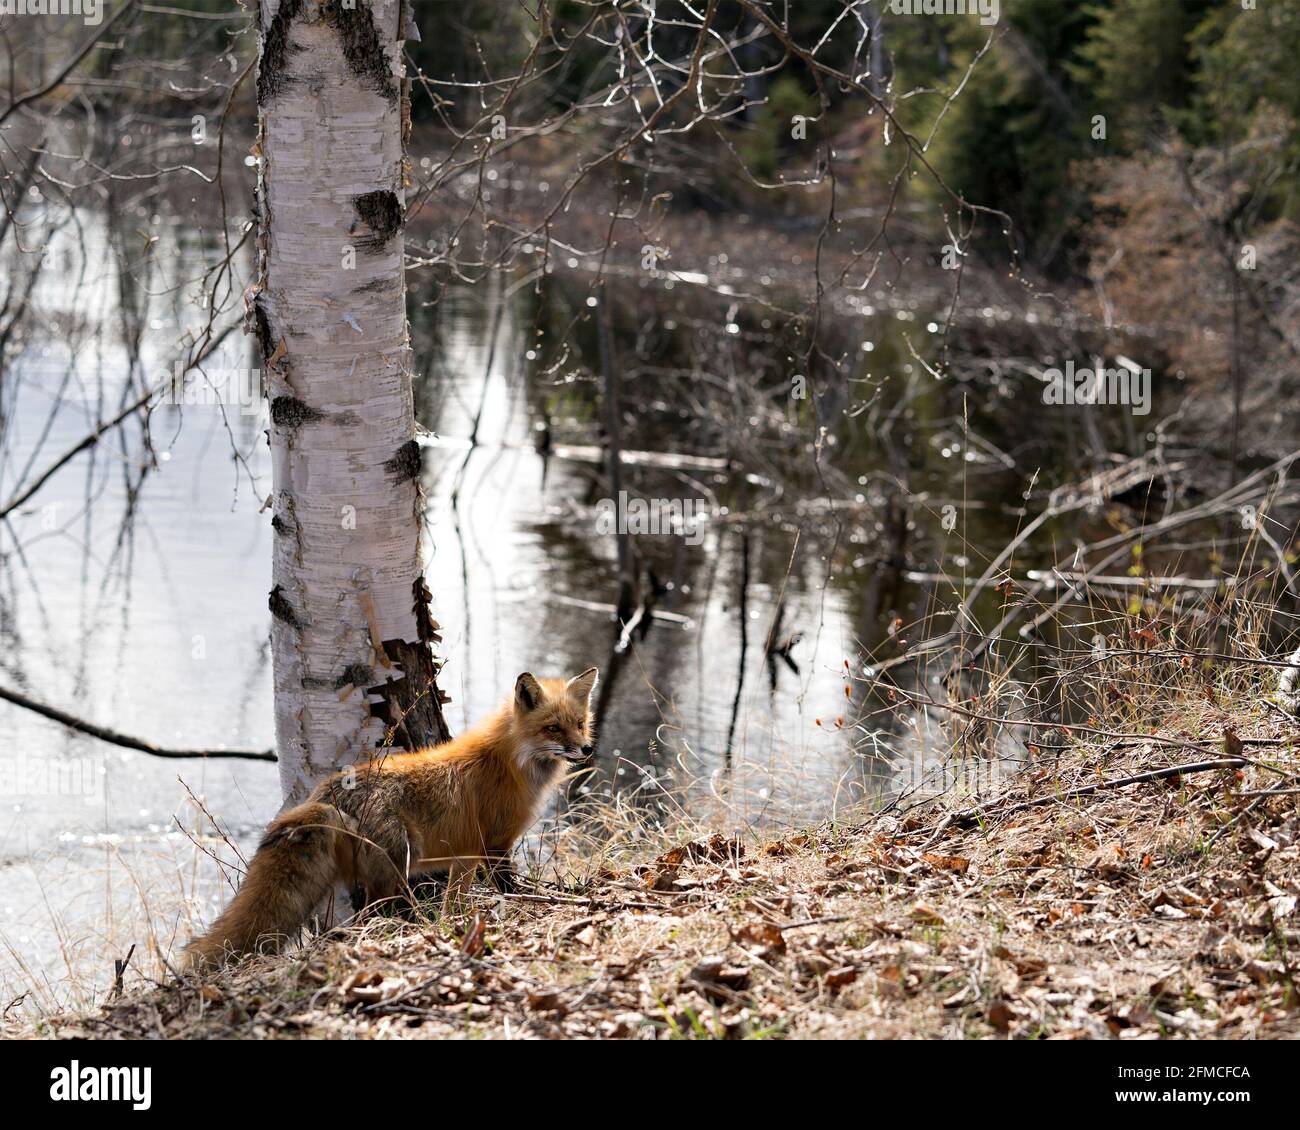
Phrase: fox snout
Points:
(573, 752)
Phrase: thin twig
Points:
(119, 971)
(57, 79)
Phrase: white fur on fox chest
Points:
(542, 767)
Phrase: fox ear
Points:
(581, 686)
(528, 693)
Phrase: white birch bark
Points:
(351, 633)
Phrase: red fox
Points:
(374, 825)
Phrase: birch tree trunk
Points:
(351, 632)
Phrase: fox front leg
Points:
(501, 872)
(460, 874)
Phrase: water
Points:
(523, 582)
(134, 584)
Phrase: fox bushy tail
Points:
(294, 868)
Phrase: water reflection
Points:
(737, 686)
(133, 587)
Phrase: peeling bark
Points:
(353, 659)
(411, 705)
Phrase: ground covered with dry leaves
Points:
(1164, 908)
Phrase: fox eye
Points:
(553, 729)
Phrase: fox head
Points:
(552, 717)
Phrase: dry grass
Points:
(1159, 908)
(1165, 908)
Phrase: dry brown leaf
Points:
(368, 986)
(760, 936)
(1000, 1016)
(660, 880)
(473, 942)
(715, 978)
(546, 1000)
(955, 863)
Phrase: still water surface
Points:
(133, 590)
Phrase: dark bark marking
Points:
(262, 327)
(356, 675)
(361, 45)
(375, 286)
(362, 48)
(407, 464)
(290, 412)
(276, 50)
(381, 212)
(281, 609)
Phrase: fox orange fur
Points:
(374, 826)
